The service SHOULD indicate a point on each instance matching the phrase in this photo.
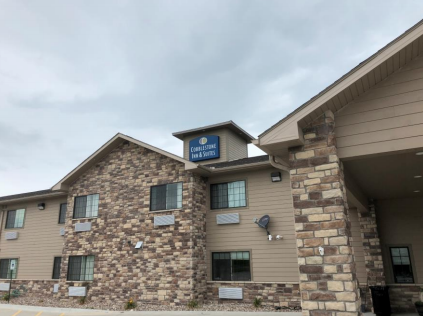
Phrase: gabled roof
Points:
(360, 79)
(229, 124)
(104, 150)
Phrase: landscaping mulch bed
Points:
(105, 305)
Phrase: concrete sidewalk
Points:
(23, 310)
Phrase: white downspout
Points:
(278, 165)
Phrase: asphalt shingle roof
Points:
(239, 162)
(24, 195)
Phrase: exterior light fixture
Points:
(420, 153)
(41, 206)
(417, 177)
(276, 176)
(417, 191)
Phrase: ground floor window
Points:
(401, 265)
(5, 268)
(56, 267)
(231, 266)
(81, 268)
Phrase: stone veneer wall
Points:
(33, 287)
(371, 247)
(328, 282)
(274, 294)
(403, 298)
(170, 269)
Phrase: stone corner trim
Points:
(328, 282)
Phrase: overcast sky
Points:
(74, 73)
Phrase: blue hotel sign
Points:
(204, 148)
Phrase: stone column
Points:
(328, 281)
(371, 246)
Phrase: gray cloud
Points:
(73, 74)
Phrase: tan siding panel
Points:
(380, 147)
(357, 243)
(38, 242)
(272, 261)
(368, 106)
(381, 136)
(237, 147)
(389, 116)
(356, 121)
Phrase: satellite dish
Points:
(263, 222)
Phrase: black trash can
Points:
(381, 301)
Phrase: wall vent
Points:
(55, 288)
(231, 293)
(11, 235)
(83, 227)
(4, 286)
(231, 218)
(164, 220)
(77, 291)
(62, 231)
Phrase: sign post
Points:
(12, 266)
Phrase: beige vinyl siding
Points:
(400, 223)
(387, 117)
(357, 243)
(271, 261)
(237, 147)
(39, 240)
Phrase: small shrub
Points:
(130, 304)
(192, 304)
(83, 300)
(257, 302)
(23, 288)
(16, 293)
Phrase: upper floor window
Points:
(86, 206)
(226, 195)
(81, 268)
(62, 213)
(401, 265)
(5, 268)
(56, 267)
(231, 266)
(166, 197)
(15, 219)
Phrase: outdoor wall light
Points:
(41, 206)
(420, 153)
(276, 176)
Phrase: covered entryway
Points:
(387, 232)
